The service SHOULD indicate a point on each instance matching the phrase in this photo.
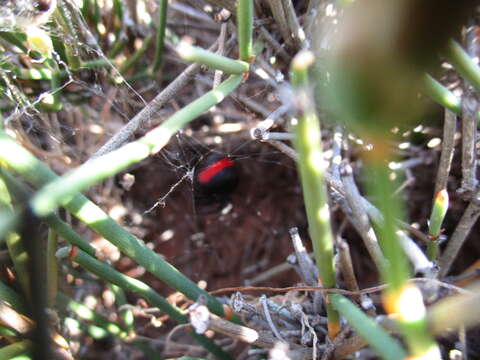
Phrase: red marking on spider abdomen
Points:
(213, 170)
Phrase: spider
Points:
(215, 178)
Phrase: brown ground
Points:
(234, 248)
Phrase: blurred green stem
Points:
(15, 246)
(385, 345)
(162, 23)
(52, 268)
(441, 94)
(84, 313)
(381, 187)
(21, 194)
(126, 314)
(15, 349)
(463, 63)
(128, 64)
(215, 61)
(13, 298)
(400, 298)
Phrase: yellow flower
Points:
(40, 41)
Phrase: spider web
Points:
(97, 102)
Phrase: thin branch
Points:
(469, 218)
(217, 78)
(148, 112)
(277, 47)
(362, 223)
(308, 270)
(421, 264)
(346, 266)
(469, 133)
(449, 128)
(281, 20)
(268, 317)
(226, 4)
(296, 31)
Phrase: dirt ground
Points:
(239, 242)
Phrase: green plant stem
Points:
(64, 20)
(84, 313)
(311, 165)
(432, 250)
(215, 61)
(441, 94)
(20, 259)
(61, 190)
(15, 39)
(118, 8)
(125, 282)
(55, 90)
(13, 298)
(127, 65)
(16, 248)
(9, 221)
(47, 74)
(162, 24)
(439, 210)
(463, 63)
(385, 345)
(8, 332)
(245, 28)
(117, 46)
(95, 331)
(127, 315)
(20, 192)
(37, 173)
(400, 298)
(15, 349)
(52, 268)
(397, 272)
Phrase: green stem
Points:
(385, 345)
(245, 28)
(397, 272)
(110, 275)
(215, 61)
(311, 165)
(15, 349)
(127, 315)
(61, 190)
(162, 24)
(441, 94)
(432, 250)
(20, 192)
(64, 20)
(37, 173)
(21, 161)
(463, 63)
(13, 298)
(127, 65)
(84, 313)
(15, 39)
(16, 248)
(401, 298)
(52, 268)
